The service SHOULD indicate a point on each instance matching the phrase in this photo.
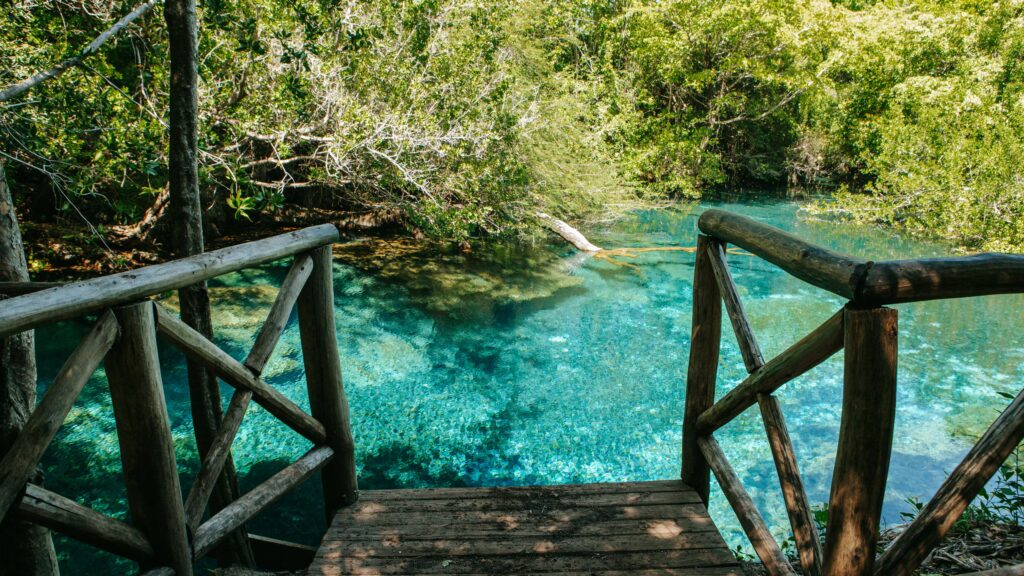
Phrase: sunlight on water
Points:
(542, 367)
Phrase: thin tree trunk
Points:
(186, 211)
(28, 550)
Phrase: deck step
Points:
(636, 528)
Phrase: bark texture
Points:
(186, 210)
(28, 549)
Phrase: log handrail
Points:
(866, 330)
(863, 281)
(167, 534)
(89, 296)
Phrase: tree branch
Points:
(19, 88)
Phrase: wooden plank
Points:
(519, 564)
(815, 265)
(194, 345)
(493, 492)
(238, 512)
(753, 524)
(961, 487)
(527, 501)
(327, 399)
(274, 325)
(865, 441)
(691, 571)
(705, 344)
(144, 435)
(810, 351)
(375, 516)
(82, 523)
(751, 352)
(19, 463)
(89, 296)
(453, 545)
(805, 531)
(214, 461)
(510, 525)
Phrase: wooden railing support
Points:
(805, 531)
(327, 399)
(705, 344)
(865, 441)
(956, 493)
(753, 524)
(810, 351)
(70, 518)
(752, 357)
(144, 435)
(19, 463)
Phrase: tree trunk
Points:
(186, 211)
(28, 549)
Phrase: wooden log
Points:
(231, 371)
(144, 435)
(19, 463)
(273, 326)
(866, 282)
(327, 399)
(815, 265)
(162, 571)
(961, 487)
(805, 531)
(751, 352)
(753, 524)
(865, 441)
(259, 498)
(19, 288)
(214, 460)
(89, 296)
(705, 344)
(82, 523)
(940, 278)
(274, 554)
(810, 351)
(570, 234)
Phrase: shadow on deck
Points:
(642, 528)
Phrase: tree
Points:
(187, 212)
(28, 550)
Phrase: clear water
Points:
(540, 367)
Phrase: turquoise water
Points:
(538, 366)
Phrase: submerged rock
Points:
(462, 285)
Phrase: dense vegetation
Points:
(463, 119)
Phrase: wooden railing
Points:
(867, 331)
(167, 533)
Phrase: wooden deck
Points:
(645, 528)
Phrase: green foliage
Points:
(467, 118)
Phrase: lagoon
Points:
(533, 365)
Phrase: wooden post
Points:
(144, 434)
(705, 341)
(327, 399)
(865, 441)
